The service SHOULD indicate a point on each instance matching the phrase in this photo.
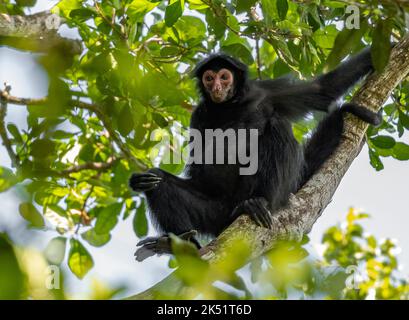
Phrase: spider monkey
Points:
(211, 196)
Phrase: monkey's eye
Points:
(209, 78)
(223, 77)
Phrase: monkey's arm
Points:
(338, 81)
(176, 204)
(297, 100)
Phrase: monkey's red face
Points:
(219, 84)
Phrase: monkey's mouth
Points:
(218, 96)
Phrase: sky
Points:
(381, 194)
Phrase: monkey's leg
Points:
(177, 206)
(327, 136)
(338, 81)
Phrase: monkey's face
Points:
(218, 84)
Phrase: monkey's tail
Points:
(327, 136)
(362, 113)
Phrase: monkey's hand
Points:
(161, 245)
(142, 182)
(258, 210)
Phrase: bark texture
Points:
(36, 25)
(308, 204)
(38, 31)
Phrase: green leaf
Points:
(244, 5)
(137, 9)
(381, 47)
(345, 42)
(30, 213)
(140, 223)
(215, 23)
(239, 50)
(42, 148)
(66, 6)
(125, 121)
(375, 160)
(173, 12)
(383, 142)
(12, 128)
(325, 37)
(404, 119)
(282, 8)
(191, 29)
(108, 218)
(7, 179)
(79, 259)
(401, 151)
(197, 5)
(160, 120)
(95, 239)
(11, 275)
(82, 14)
(268, 9)
(55, 250)
(26, 3)
(87, 152)
(61, 135)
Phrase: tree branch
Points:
(98, 166)
(6, 97)
(308, 204)
(38, 30)
(3, 132)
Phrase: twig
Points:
(3, 132)
(99, 166)
(258, 62)
(110, 22)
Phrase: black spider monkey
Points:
(211, 196)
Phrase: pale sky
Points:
(382, 194)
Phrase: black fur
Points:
(212, 196)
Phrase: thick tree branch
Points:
(39, 32)
(36, 25)
(307, 205)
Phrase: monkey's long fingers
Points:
(148, 179)
(147, 240)
(143, 253)
(259, 213)
(264, 213)
(261, 218)
(252, 210)
(187, 235)
(145, 174)
(144, 186)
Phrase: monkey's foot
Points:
(258, 210)
(161, 245)
(142, 182)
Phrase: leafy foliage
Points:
(132, 82)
